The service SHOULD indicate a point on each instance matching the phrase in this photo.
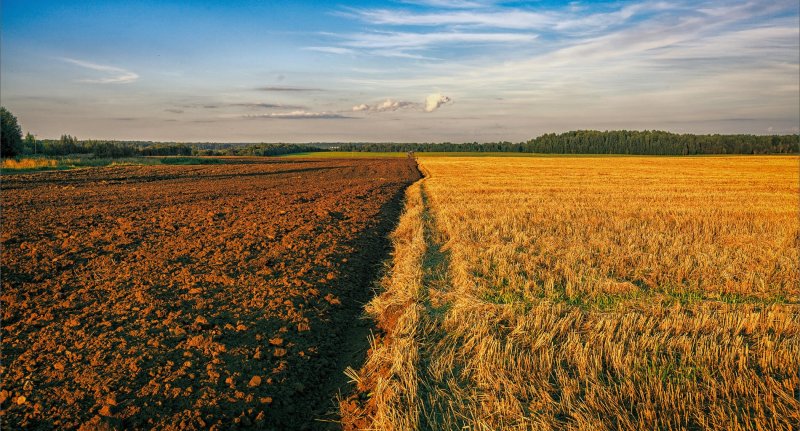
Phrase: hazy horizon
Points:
(398, 71)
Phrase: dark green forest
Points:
(611, 142)
(69, 145)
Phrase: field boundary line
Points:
(386, 392)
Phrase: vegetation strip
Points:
(386, 394)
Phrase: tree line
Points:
(14, 145)
(645, 142)
(69, 145)
(648, 142)
(211, 149)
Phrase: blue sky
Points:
(414, 70)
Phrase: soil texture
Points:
(190, 297)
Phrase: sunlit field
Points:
(400, 215)
(591, 293)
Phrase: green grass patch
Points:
(91, 162)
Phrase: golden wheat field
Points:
(590, 293)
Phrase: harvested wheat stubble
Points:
(187, 297)
(590, 294)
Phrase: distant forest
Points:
(612, 142)
(69, 145)
(577, 142)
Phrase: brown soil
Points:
(189, 297)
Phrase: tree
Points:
(10, 134)
(29, 144)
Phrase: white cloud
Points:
(330, 49)
(116, 75)
(391, 105)
(408, 40)
(434, 101)
(387, 105)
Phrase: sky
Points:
(400, 71)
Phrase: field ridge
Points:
(387, 392)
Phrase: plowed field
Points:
(189, 297)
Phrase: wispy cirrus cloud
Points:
(330, 49)
(450, 4)
(113, 75)
(410, 44)
(503, 19)
(514, 18)
(668, 35)
(179, 107)
(471, 25)
(409, 40)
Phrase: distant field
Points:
(590, 293)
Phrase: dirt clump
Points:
(188, 297)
